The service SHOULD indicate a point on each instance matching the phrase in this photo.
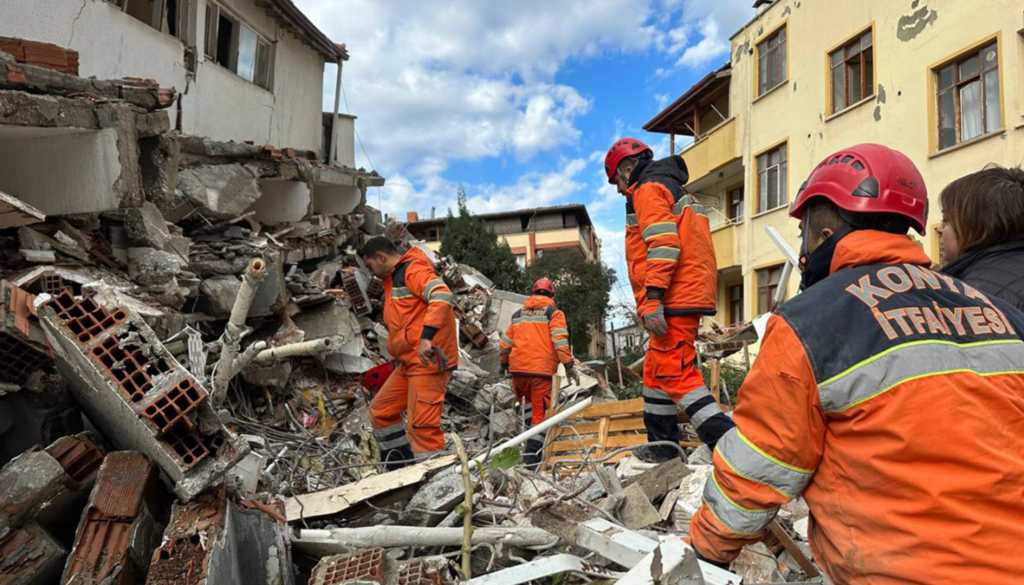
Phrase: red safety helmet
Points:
(545, 285)
(374, 379)
(624, 148)
(868, 178)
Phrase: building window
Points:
(167, 16)
(772, 179)
(968, 97)
(767, 283)
(237, 47)
(771, 62)
(735, 208)
(521, 260)
(853, 72)
(735, 304)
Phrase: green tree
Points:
(469, 240)
(582, 291)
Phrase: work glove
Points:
(432, 354)
(504, 370)
(654, 320)
(572, 374)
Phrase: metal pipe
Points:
(314, 347)
(402, 536)
(232, 336)
(332, 152)
(542, 427)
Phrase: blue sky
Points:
(517, 101)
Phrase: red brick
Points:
(80, 458)
(85, 319)
(372, 565)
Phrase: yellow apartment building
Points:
(940, 80)
(530, 233)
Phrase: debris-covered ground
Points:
(181, 397)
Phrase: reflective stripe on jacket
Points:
(892, 398)
(416, 297)
(537, 339)
(668, 240)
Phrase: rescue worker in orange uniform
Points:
(536, 341)
(420, 320)
(889, 395)
(674, 276)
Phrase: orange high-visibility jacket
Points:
(892, 398)
(418, 304)
(537, 339)
(668, 240)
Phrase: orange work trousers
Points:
(672, 382)
(423, 398)
(535, 393)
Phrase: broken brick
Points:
(86, 319)
(118, 529)
(80, 457)
(372, 566)
(30, 556)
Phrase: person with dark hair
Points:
(674, 275)
(532, 346)
(420, 319)
(982, 232)
(890, 396)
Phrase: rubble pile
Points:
(186, 323)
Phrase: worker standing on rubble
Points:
(889, 395)
(536, 341)
(674, 276)
(420, 320)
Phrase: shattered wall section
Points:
(118, 530)
(212, 540)
(30, 556)
(134, 389)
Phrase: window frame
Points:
(735, 304)
(263, 47)
(763, 49)
(782, 167)
(769, 289)
(735, 211)
(861, 56)
(958, 83)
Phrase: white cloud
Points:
(701, 36)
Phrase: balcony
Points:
(725, 240)
(713, 151)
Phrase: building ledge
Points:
(770, 211)
(850, 108)
(770, 91)
(966, 143)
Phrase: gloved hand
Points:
(572, 374)
(654, 319)
(504, 370)
(432, 354)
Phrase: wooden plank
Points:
(716, 381)
(339, 499)
(618, 425)
(602, 435)
(801, 559)
(620, 407)
(574, 446)
(15, 213)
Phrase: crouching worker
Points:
(422, 339)
(536, 341)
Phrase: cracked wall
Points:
(215, 102)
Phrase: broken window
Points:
(772, 179)
(767, 283)
(735, 304)
(771, 62)
(735, 208)
(168, 16)
(853, 72)
(237, 47)
(968, 97)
